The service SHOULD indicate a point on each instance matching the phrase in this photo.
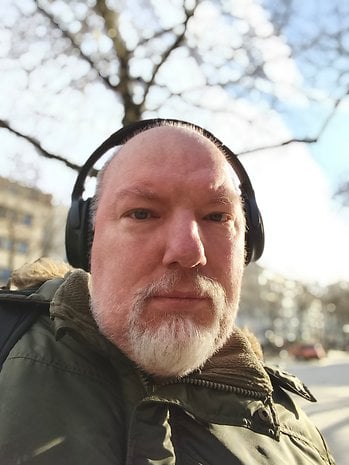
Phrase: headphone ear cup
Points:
(254, 235)
(78, 234)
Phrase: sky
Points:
(306, 230)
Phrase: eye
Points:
(140, 214)
(218, 217)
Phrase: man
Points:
(143, 363)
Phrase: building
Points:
(27, 229)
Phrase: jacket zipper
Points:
(216, 386)
(150, 387)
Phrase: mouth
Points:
(180, 295)
(179, 301)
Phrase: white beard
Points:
(177, 345)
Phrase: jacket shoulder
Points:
(17, 314)
(293, 421)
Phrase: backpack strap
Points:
(17, 314)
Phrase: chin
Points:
(176, 347)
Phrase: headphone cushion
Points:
(78, 234)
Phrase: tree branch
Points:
(331, 115)
(40, 148)
(306, 140)
(111, 20)
(75, 45)
(166, 54)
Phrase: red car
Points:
(307, 351)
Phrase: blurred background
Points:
(268, 78)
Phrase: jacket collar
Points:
(237, 364)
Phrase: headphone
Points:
(79, 232)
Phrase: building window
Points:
(16, 216)
(22, 247)
(8, 213)
(6, 243)
(4, 274)
(27, 219)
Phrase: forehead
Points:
(168, 151)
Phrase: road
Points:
(328, 380)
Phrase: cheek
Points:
(110, 250)
(113, 242)
(106, 267)
(227, 249)
(227, 261)
(121, 267)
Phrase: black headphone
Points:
(79, 233)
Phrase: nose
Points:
(184, 244)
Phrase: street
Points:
(328, 380)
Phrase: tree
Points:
(238, 63)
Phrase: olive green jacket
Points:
(68, 396)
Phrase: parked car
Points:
(307, 351)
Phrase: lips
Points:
(179, 300)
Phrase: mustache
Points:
(203, 285)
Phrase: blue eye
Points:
(218, 217)
(140, 214)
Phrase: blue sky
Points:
(332, 150)
(320, 73)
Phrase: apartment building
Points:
(26, 225)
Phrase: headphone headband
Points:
(79, 231)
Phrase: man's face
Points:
(168, 251)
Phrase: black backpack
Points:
(17, 314)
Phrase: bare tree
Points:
(158, 58)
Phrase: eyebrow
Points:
(224, 197)
(142, 193)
